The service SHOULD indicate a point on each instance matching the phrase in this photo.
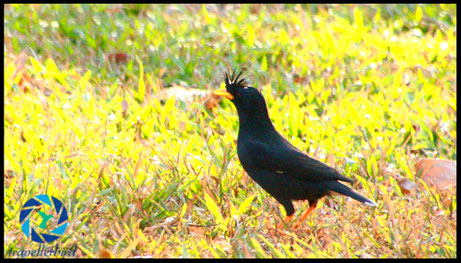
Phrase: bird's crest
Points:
(234, 80)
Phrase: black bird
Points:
(276, 165)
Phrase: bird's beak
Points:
(224, 93)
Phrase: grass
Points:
(368, 89)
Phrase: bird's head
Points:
(247, 100)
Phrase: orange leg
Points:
(311, 208)
(286, 220)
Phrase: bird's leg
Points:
(311, 207)
(286, 220)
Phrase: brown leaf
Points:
(138, 204)
(20, 61)
(211, 101)
(161, 72)
(119, 57)
(437, 173)
(114, 9)
(124, 106)
(330, 159)
(324, 237)
(23, 138)
(406, 185)
(104, 253)
(255, 9)
(197, 230)
(299, 79)
(8, 174)
(24, 81)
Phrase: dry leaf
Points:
(24, 81)
(196, 230)
(104, 253)
(161, 72)
(124, 105)
(299, 79)
(119, 57)
(138, 205)
(211, 101)
(8, 174)
(330, 159)
(438, 173)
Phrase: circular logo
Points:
(43, 219)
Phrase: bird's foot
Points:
(287, 219)
(311, 208)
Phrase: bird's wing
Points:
(281, 158)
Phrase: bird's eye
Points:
(237, 95)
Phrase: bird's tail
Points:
(345, 190)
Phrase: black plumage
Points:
(275, 164)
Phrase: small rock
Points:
(406, 186)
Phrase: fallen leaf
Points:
(161, 72)
(255, 9)
(211, 101)
(330, 159)
(24, 81)
(124, 105)
(8, 174)
(115, 9)
(324, 236)
(299, 79)
(104, 253)
(196, 230)
(20, 62)
(437, 173)
(119, 57)
(138, 204)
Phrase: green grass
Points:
(368, 89)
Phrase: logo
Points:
(43, 219)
